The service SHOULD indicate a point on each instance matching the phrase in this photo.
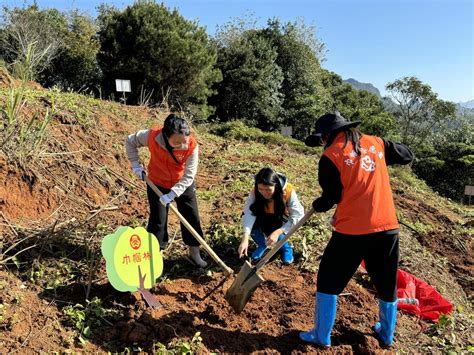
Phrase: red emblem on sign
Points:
(135, 241)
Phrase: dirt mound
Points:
(270, 322)
(80, 174)
(30, 324)
(442, 238)
(7, 81)
(38, 203)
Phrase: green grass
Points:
(85, 318)
(237, 130)
(22, 132)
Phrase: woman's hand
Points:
(243, 247)
(272, 238)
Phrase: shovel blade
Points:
(243, 287)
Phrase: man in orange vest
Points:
(172, 168)
(353, 175)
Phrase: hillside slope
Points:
(77, 186)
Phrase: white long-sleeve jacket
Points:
(295, 210)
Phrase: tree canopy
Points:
(75, 67)
(419, 111)
(251, 82)
(29, 39)
(158, 49)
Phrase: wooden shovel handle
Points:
(227, 270)
(280, 243)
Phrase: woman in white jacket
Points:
(271, 209)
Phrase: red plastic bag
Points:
(430, 303)
(427, 302)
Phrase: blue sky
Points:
(376, 41)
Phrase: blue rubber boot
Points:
(286, 251)
(386, 326)
(324, 316)
(259, 238)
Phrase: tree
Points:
(251, 80)
(298, 55)
(441, 140)
(75, 66)
(438, 168)
(159, 49)
(457, 130)
(29, 32)
(419, 111)
(449, 150)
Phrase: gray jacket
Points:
(140, 139)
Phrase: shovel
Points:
(227, 270)
(248, 278)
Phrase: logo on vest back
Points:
(366, 161)
(367, 164)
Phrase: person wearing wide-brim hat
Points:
(353, 175)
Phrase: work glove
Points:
(168, 198)
(331, 220)
(138, 170)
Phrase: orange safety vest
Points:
(366, 204)
(162, 168)
(270, 205)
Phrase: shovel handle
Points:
(280, 243)
(227, 270)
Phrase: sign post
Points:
(287, 131)
(123, 86)
(469, 191)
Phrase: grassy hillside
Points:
(67, 184)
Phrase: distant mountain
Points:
(363, 86)
(463, 110)
(468, 104)
(388, 104)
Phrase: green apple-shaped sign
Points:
(133, 259)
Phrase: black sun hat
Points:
(327, 124)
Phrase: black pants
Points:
(187, 206)
(344, 253)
